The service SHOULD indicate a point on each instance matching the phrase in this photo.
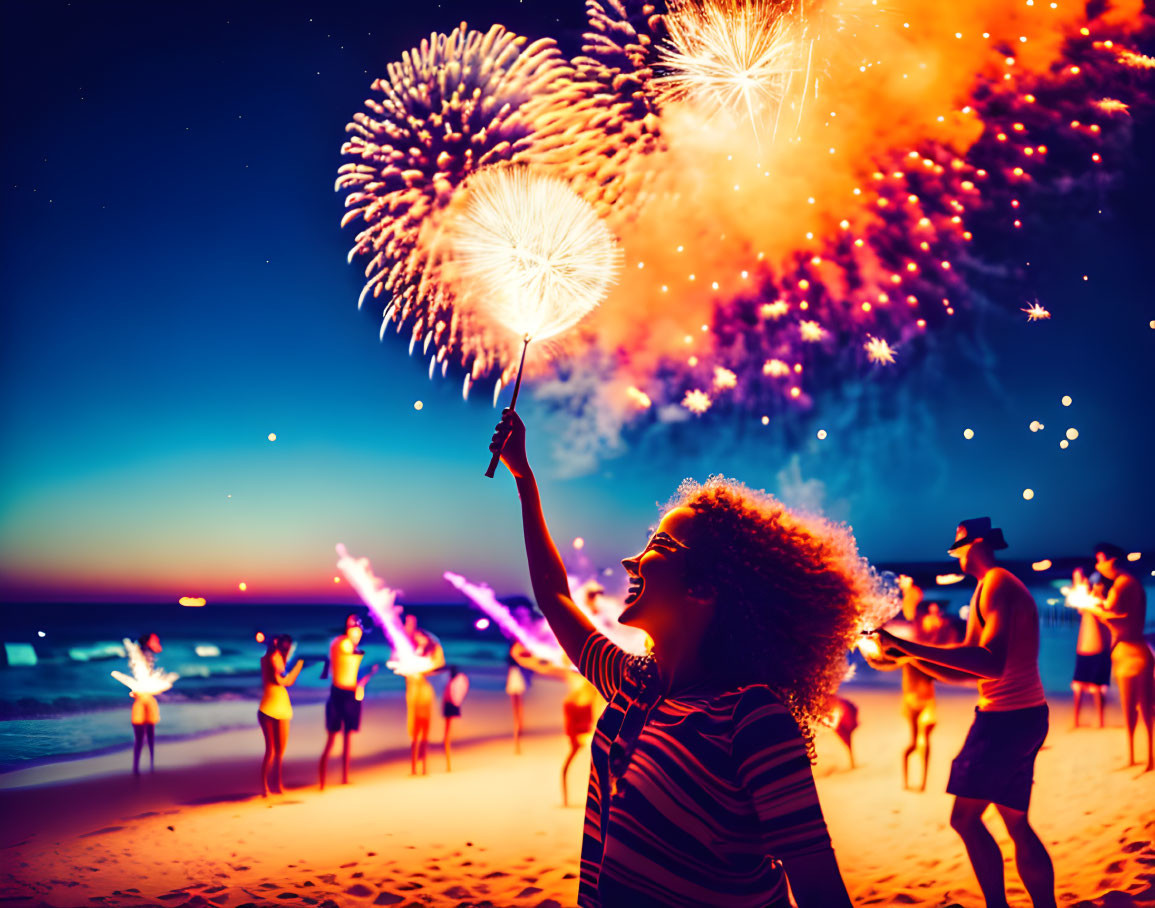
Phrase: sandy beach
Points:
(493, 832)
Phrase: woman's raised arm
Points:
(546, 570)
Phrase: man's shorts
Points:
(997, 760)
(342, 710)
(1093, 669)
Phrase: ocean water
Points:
(68, 704)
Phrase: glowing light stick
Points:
(146, 679)
(381, 601)
(534, 254)
(483, 597)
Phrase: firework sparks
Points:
(146, 678)
(537, 254)
(1112, 105)
(811, 331)
(740, 56)
(1036, 312)
(697, 401)
(540, 646)
(382, 603)
(724, 379)
(878, 350)
(775, 368)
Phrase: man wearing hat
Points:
(997, 761)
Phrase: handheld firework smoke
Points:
(533, 254)
(876, 612)
(146, 678)
(483, 597)
(381, 601)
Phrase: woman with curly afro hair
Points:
(701, 791)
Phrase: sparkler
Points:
(877, 610)
(483, 597)
(146, 678)
(382, 603)
(535, 256)
(1036, 312)
(878, 350)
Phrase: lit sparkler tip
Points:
(531, 252)
(724, 378)
(1036, 312)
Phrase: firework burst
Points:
(1036, 312)
(745, 57)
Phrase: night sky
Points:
(174, 289)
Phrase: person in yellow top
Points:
(343, 708)
(420, 696)
(997, 762)
(276, 709)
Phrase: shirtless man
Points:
(997, 761)
(343, 708)
(1092, 652)
(1125, 612)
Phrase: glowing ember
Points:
(1111, 105)
(878, 350)
(696, 401)
(146, 678)
(724, 378)
(811, 331)
(1036, 313)
(1072, 434)
(638, 397)
(1066, 401)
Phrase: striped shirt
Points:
(693, 796)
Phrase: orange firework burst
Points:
(1036, 312)
(878, 350)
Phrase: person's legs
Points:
(137, 744)
(280, 742)
(150, 730)
(515, 699)
(966, 819)
(1146, 702)
(346, 755)
(1031, 858)
(423, 743)
(1077, 687)
(332, 736)
(1099, 695)
(924, 746)
(267, 724)
(1128, 697)
(448, 724)
(574, 747)
(912, 718)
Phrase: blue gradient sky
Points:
(174, 289)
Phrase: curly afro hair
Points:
(790, 594)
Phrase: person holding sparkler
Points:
(997, 761)
(343, 708)
(276, 710)
(701, 791)
(1125, 613)
(145, 709)
(419, 695)
(1092, 648)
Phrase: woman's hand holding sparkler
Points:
(509, 442)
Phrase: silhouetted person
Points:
(419, 696)
(997, 761)
(1125, 613)
(343, 708)
(145, 709)
(455, 690)
(701, 791)
(276, 710)
(1092, 652)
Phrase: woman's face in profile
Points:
(657, 597)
